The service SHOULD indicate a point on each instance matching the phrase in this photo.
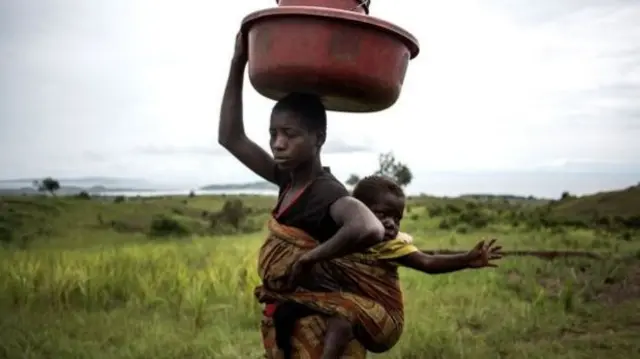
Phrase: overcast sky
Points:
(132, 88)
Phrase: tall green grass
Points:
(193, 298)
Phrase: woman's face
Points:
(291, 143)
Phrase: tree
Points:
(47, 185)
(353, 179)
(390, 167)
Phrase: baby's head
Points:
(385, 199)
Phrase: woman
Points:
(315, 220)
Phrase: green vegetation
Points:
(388, 166)
(84, 277)
(48, 184)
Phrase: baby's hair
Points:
(369, 188)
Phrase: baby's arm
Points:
(434, 264)
(402, 252)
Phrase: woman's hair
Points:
(369, 188)
(309, 108)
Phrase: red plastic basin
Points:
(354, 62)
(360, 6)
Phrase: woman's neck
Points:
(304, 173)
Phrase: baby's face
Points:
(389, 209)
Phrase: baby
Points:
(387, 201)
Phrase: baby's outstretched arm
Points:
(480, 256)
(436, 264)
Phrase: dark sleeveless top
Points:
(309, 209)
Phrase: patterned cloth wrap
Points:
(363, 288)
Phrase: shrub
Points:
(83, 195)
(122, 226)
(453, 209)
(462, 229)
(233, 213)
(164, 226)
(435, 211)
(446, 223)
(474, 218)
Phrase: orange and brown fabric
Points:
(363, 288)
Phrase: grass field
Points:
(174, 278)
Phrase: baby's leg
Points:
(339, 335)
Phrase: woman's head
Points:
(297, 130)
(385, 199)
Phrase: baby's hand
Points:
(482, 255)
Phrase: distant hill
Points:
(69, 190)
(71, 186)
(486, 197)
(489, 196)
(81, 182)
(104, 185)
(623, 203)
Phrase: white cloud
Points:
(95, 88)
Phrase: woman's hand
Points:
(299, 270)
(240, 53)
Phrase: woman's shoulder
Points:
(327, 183)
(311, 210)
(323, 192)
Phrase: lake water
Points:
(538, 184)
(162, 193)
